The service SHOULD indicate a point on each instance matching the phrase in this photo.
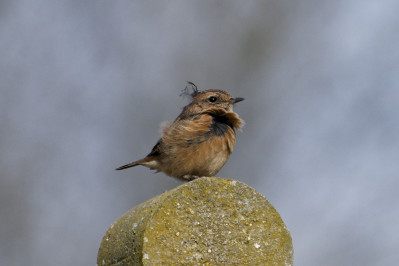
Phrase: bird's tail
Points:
(148, 161)
(128, 165)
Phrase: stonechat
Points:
(200, 140)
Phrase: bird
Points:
(200, 140)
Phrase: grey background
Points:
(85, 85)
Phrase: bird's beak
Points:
(236, 100)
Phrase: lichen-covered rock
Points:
(207, 221)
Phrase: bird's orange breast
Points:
(192, 147)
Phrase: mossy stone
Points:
(208, 221)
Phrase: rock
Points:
(207, 221)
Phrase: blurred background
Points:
(86, 84)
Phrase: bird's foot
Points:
(191, 177)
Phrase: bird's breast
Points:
(218, 127)
(200, 159)
(198, 146)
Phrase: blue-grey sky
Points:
(86, 84)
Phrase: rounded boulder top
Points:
(206, 221)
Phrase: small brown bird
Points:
(200, 140)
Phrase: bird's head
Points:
(209, 99)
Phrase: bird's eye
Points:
(212, 99)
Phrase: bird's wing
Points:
(156, 149)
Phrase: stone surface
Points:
(207, 221)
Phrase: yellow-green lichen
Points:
(207, 221)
